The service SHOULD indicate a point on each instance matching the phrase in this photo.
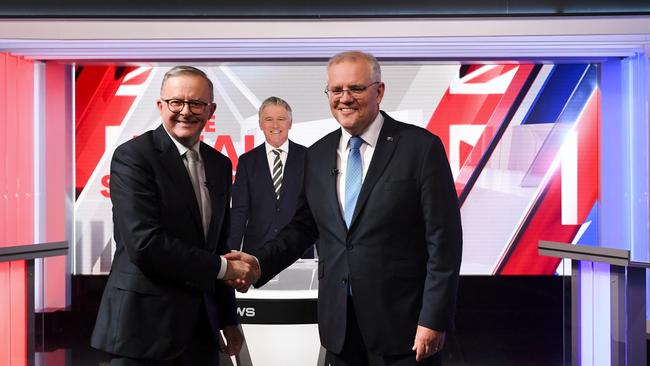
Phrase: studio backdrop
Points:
(522, 141)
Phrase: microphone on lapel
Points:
(334, 171)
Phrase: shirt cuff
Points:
(224, 267)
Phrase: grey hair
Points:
(187, 70)
(274, 101)
(356, 56)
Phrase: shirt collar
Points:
(284, 147)
(182, 149)
(369, 136)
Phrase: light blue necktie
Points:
(353, 176)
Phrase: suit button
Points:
(349, 246)
(275, 230)
(344, 280)
(277, 209)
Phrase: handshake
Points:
(243, 270)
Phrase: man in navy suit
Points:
(165, 300)
(268, 181)
(380, 198)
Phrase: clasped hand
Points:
(243, 270)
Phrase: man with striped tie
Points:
(268, 181)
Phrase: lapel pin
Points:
(389, 138)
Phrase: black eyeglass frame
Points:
(354, 92)
(192, 104)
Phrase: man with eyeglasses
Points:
(380, 198)
(166, 298)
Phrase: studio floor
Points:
(519, 321)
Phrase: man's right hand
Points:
(243, 270)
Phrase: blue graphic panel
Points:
(590, 236)
(553, 98)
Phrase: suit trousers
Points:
(202, 349)
(355, 353)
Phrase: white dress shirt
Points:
(367, 149)
(270, 156)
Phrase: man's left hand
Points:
(427, 342)
(234, 340)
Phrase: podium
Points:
(279, 320)
(17, 313)
(608, 304)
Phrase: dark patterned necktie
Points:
(277, 172)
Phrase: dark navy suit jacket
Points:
(256, 215)
(164, 267)
(400, 257)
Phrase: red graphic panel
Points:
(99, 105)
(545, 221)
(483, 97)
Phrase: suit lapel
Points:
(261, 167)
(290, 174)
(386, 143)
(213, 179)
(172, 162)
(330, 173)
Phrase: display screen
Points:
(522, 141)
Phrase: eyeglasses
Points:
(355, 90)
(177, 105)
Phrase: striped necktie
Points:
(277, 172)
